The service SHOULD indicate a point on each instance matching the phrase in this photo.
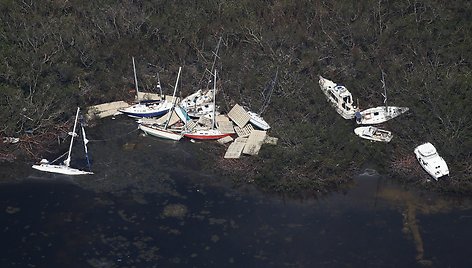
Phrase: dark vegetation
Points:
(59, 54)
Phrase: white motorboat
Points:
(431, 161)
(339, 97)
(65, 168)
(258, 121)
(373, 133)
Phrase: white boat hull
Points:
(161, 132)
(147, 110)
(258, 121)
(373, 134)
(60, 169)
(339, 97)
(197, 99)
(379, 114)
(430, 160)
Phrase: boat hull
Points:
(258, 121)
(142, 110)
(431, 162)
(60, 169)
(206, 135)
(161, 132)
(373, 134)
(378, 115)
(339, 97)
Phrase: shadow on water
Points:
(150, 205)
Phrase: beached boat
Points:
(379, 114)
(164, 131)
(65, 168)
(373, 133)
(210, 133)
(258, 121)
(206, 134)
(161, 132)
(201, 110)
(431, 161)
(153, 108)
(339, 97)
(197, 99)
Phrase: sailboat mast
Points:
(173, 99)
(135, 80)
(159, 85)
(67, 162)
(385, 91)
(85, 140)
(214, 101)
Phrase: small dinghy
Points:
(431, 161)
(373, 133)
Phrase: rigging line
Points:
(117, 137)
(59, 157)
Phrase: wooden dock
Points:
(245, 131)
(239, 116)
(105, 109)
(235, 149)
(254, 142)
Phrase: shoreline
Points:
(251, 170)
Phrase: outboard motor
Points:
(358, 116)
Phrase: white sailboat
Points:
(379, 114)
(65, 168)
(373, 133)
(339, 97)
(206, 133)
(164, 131)
(146, 109)
(431, 161)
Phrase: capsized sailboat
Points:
(206, 133)
(165, 132)
(65, 168)
(339, 97)
(146, 108)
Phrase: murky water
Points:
(150, 205)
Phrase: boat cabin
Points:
(339, 97)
